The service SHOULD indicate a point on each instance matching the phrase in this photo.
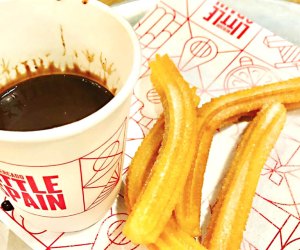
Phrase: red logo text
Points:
(46, 195)
(228, 20)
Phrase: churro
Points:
(167, 173)
(173, 237)
(190, 158)
(142, 163)
(157, 200)
(215, 114)
(229, 217)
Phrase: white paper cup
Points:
(66, 178)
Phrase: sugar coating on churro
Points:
(142, 163)
(157, 200)
(165, 179)
(223, 111)
(230, 214)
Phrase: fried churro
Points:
(218, 112)
(173, 237)
(157, 200)
(167, 172)
(142, 163)
(229, 217)
(190, 158)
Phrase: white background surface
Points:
(278, 16)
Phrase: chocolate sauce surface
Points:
(49, 101)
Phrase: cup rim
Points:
(89, 121)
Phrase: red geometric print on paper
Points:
(288, 236)
(273, 229)
(247, 75)
(110, 234)
(145, 108)
(198, 50)
(153, 96)
(246, 245)
(105, 168)
(200, 47)
(42, 238)
(281, 175)
(106, 234)
(289, 53)
(113, 225)
(155, 31)
(141, 119)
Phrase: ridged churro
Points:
(190, 158)
(215, 114)
(142, 163)
(228, 221)
(157, 200)
(167, 172)
(174, 238)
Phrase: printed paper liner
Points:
(219, 51)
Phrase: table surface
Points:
(285, 23)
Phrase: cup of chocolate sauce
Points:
(67, 72)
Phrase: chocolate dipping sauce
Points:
(49, 101)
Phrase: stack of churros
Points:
(165, 178)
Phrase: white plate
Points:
(281, 17)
